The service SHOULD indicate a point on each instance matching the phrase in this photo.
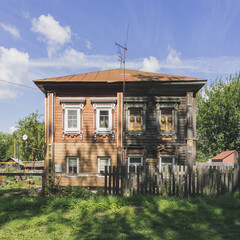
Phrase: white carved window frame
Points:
(72, 104)
(106, 104)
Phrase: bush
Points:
(77, 192)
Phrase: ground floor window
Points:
(72, 165)
(102, 162)
(167, 160)
(134, 162)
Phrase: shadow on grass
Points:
(139, 217)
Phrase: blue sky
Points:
(54, 38)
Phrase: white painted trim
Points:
(52, 117)
(117, 116)
(104, 99)
(135, 156)
(67, 164)
(98, 129)
(99, 159)
(71, 100)
(72, 130)
(167, 156)
(45, 132)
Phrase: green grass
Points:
(111, 217)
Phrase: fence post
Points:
(114, 179)
(43, 184)
(117, 180)
(110, 176)
(105, 180)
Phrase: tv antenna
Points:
(122, 51)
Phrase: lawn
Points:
(112, 217)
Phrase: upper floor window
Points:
(104, 119)
(72, 120)
(135, 120)
(135, 115)
(166, 119)
(72, 115)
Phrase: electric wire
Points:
(18, 84)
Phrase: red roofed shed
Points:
(227, 156)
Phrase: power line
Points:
(18, 84)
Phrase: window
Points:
(72, 115)
(102, 162)
(104, 120)
(167, 160)
(135, 120)
(72, 165)
(166, 120)
(72, 120)
(134, 162)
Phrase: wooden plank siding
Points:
(151, 138)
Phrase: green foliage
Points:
(77, 192)
(113, 217)
(34, 128)
(218, 118)
(6, 146)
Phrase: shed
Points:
(226, 157)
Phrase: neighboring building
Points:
(226, 157)
(12, 163)
(36, 166)
(118, 117)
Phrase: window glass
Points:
(135, 120)
(166, 121)
(133, 163)
(104, 118)
(167, 160)
(103, 161)
(72, 165)
(72, 118)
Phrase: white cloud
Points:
(150, 64)
(51, 32)
(173, 57)
(13, 129)
(88, 44)
(14, 68)
(10, 29)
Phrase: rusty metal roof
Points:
(223, 155)
(117, 75)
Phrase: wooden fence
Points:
(172, 181)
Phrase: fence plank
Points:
(106, 173)
(114, 179)
(117, 180)
(110, 180)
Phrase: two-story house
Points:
(117, 117)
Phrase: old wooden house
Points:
(118, 117)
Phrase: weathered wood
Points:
(117, 180)
(138, 181)
(114, 179)
(110, 180)
(106, 174)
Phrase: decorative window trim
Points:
(166, 156)
(67, 164)
(170, 103)
(99, 159)
(76, 104)
(104, 104)
(135, 102)
(134, 156)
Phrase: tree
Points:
(34, 128)
(218, 118)
(6, 146)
